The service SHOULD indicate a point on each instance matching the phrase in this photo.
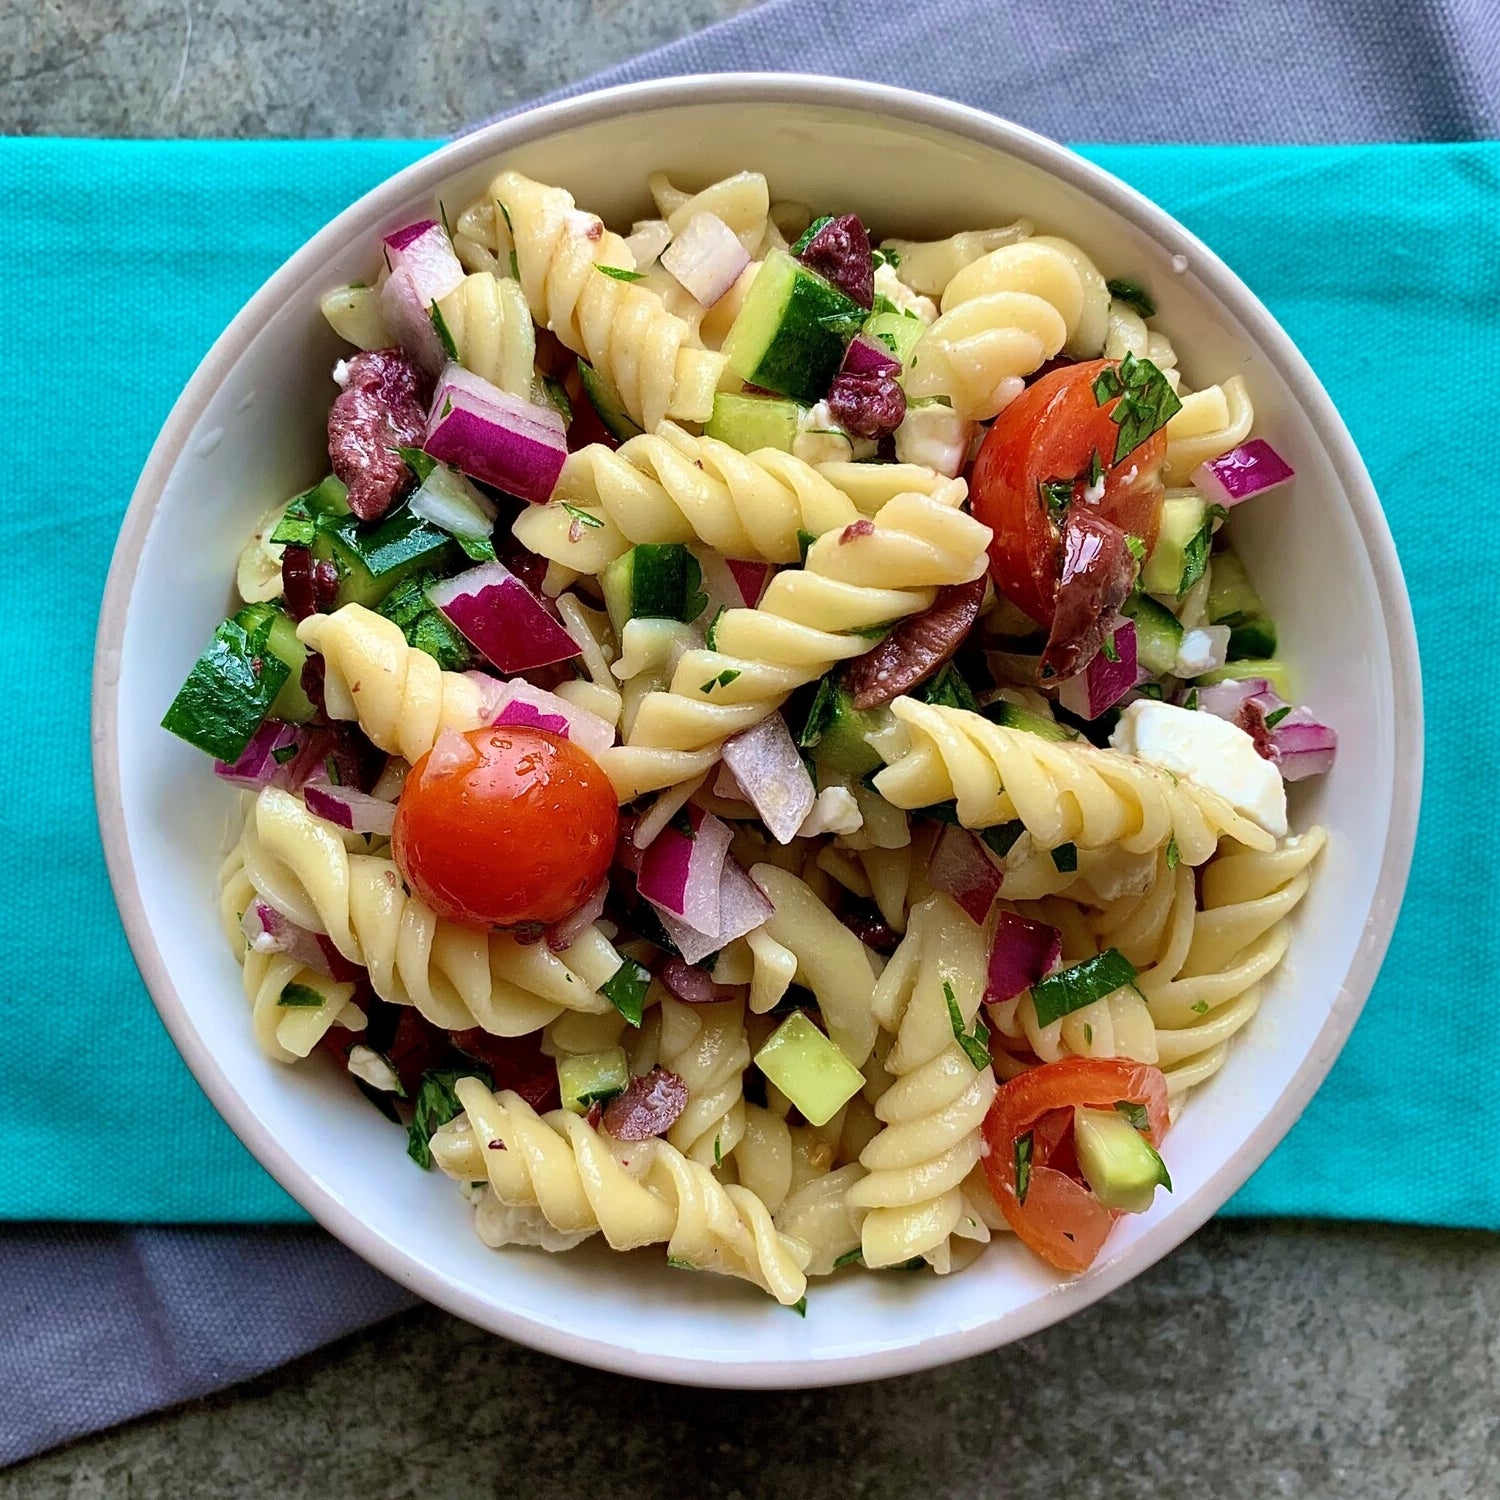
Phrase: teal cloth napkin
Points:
(1382, 262)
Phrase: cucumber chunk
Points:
(1158, 633)
(655, 580)
(592, 1078)
(1167, 569)
(837, 733)
(809, 1069)
(792, 331)
(895, 332)
(753, 422)
(280, 634)
(606, 403)
(1013, 716)
(373, 559)
(1275, 672)
(1232, 601)
(1117, 1161)
(228, 693)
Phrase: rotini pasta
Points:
(490, 325)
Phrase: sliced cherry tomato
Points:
(505, 825)
(1061, 1220)
(1050, 432)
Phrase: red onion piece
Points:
(530, 716)
(496, 437)
(279, 755)
(518, 702)
(751, 579)
(268, 931)
(772, 776)
(867, 356)
(344, 807)
(424, 269)
(1022, 952)
(1303, 747)
(1254, 468)
(727, 787)
(562, 935)
(680, 875)
(960, 867)
(742, 908)
(1223, 699)
(503, 619)
(706, 258)
(1103, 682)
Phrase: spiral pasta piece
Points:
(917, 1165)
(634, 1193)
(490, 325)
(398, 695)
(1211, 422)
(808, 620)
(706, 1047)
(621, 329)
(1003, 316)
(673, 487)
(456, 977)
(1063, 792)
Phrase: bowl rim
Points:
(913, 109)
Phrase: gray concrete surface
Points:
(1294, 1360)
(1314, 1362)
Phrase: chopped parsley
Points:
(620, 273)
(1088, 1035)
(421, 464)
(1174, 854)
(805, 539)
(949, 690)
(722, 680)
(718, 1151)
(1191, 701)
(1065, 858)
(1110, 650)
(800, 1307)
(440, 323)
(301, 997)
(1023, 1149)
(1195, 554)
(1147, 403)
(626, 988)
(1200, 1008)
(1056, 496)
(677, 1263)
(582, 516)
(883, 304)
(976, 1043)
(515, 265)
(1070, 989)
(1132, 294)
(849, 1258)
(437, 1103)
(885, 257)
(1096, 468)
(806, 237)
(1275, 717)
(1135, 546)
(298, 527)
(713, 626)
(1135, 1113)
(283, 753)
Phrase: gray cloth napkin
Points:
(99, 1324)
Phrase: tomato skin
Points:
(1052, 431)
(505, 825)
(1061, 1220)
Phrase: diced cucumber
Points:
(280, 635)
(809, 1069)
(304, 514)
(895, 332)
(228, 693)
(1232, 601)
(1275, 672)
(753, 422)
(656, 581)
(425, 626)
(792, 331)
(606, 403)
(373, 558)
(836, 732)
(1182, 522)
(592, 1078)
(1158, 633)
(1117, 1161)
(1013, 716)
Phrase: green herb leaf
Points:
(283, 753)
(722, 680)
(1023, 1148)
(800, 1307)
(626, 988)
(515, 267)
(1056, 495)
(1136, 546)
(882, 256)
(697, 600)
(1200, 1008)
(718, 1151)
(621, 274)
(1277, 715)
(582, 516)
(421, 464)
(301, 996)
(976, 1044)
(821, 713)
(557, 394)
(677, 1263)
(1174, 854)
(436, 1104)
(479, 548)
(949, 690)
(806, 237)
(1147, 402)
(1107, 385)
(1070, 989)
(298, 527)
(1110, 650)
(849, 1258)
(443, 215)
(1135, 1113)
(1088, 1035)
(713, 626)
(1065, 858)
(1195, 556)
(1191, 701)
(1132, 294)
(805, 539)
(440, 323)
(1096, 469)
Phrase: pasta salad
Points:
(761, 745)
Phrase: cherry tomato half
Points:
(505, 825)
(1051, 431)
(1061, 1220)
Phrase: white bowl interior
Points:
(249, 432)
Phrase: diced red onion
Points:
(1022, 952)
(1254, 468)
(742, 908)
(562, 935)
(1303, 746)
(772, 776)
(706, 258)
(279, 755)
(751, 579)
(867, 356)
(960, 867)
(681, 875)
(502, 618)
(726, 786)
(692, 985)
(449, 501)
(269, 931)
(424, 269)
(512, 444)
(1103, 682)
(646, 241)
(345, 807)
(518, 702)
(1224, 699)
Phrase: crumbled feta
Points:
(1211, 752)
(1202, 650)
(1095, 492)
(341, 374)
(935, 436)
(820, 439)
(370, 1067)
(835, 811)
(889, 284)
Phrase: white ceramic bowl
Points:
(249, 429)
